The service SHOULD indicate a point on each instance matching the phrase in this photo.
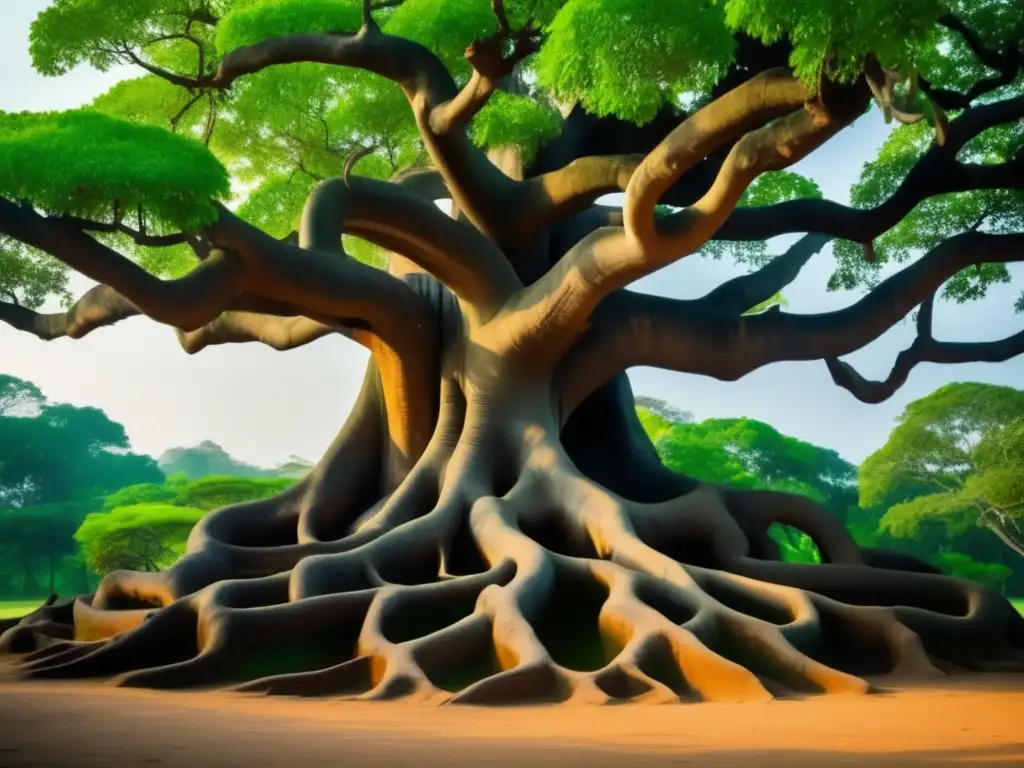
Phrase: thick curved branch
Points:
(631, 329)
(317, 284)
(402, 324)
(925, 349)
(280, 333)
(742, 293)
(401, 220)
(544, 200)
(243, 260)
(187, 303)
(425, 182)
(102, 306)
(937, 173)
(612, 258)
(749, 106)
(477, 186)
(490, 65)
(98, 307)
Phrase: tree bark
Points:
(491, 524)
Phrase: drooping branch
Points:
(742, 293)
(631, 329)
(98, 307)
(243, 260)
(119, 227)
(247, 320)
(925, 349)
(127, 54)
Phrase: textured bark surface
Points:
(502, 567)
(492, 524)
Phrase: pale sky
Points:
(262, 405)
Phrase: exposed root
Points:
(461, 586)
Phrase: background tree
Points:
(960, 452)
(144, 537)
(55, 460)
(35, 540)
(493, 497)
(745, 453)
(208, 458)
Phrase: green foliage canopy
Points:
(81, 162)
(143, 537)
(281, 130)
(956, 459)
(745, 453)
(53, 453)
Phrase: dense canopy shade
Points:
(492, 523)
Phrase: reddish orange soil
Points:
(966, 722)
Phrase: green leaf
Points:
(513, 120)
(81, 162)
(151, 100)
(630, 57)
(446, 27)
(935, 461)
(779, 187)
(936, 219)
(71, 32)
(254, 21)
(28, 276)
(847, 31)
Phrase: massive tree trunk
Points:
(491, 523)
(514, 559)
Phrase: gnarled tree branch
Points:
(490, 66)
(612, 258)
(749, 106)
(98, 307)
(631, 329)
(925, 349)
(742, 293)
(280, 333)
(938, 172)
(475, 184)
(399, 219)
(185, 303)
(1006, 64)
(544, 200)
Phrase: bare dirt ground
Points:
(73, 725)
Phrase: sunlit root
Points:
(553, 590)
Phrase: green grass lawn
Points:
(14, 608)
(1018, 603)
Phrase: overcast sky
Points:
(263, 405)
